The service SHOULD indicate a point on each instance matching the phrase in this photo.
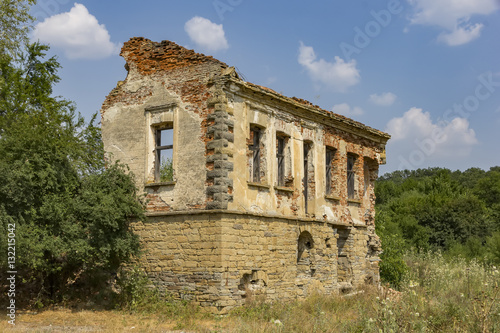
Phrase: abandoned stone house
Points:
(248, 192)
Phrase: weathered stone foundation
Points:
(218, 259)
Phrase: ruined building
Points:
(248, 192)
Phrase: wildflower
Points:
(417, 314)
(413, 284)
(277, 322)
(462, 295)
(371, 320)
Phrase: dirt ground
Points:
(64, 320)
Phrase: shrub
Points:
(393, 268)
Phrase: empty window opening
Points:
(351, 177)
(255, 136)
(305, 260)
(308, 179)
(304, 245)
(164, 147)
(370, 174)
(329, 170)
(344, 246)
(280, 159)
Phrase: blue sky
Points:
(425, 71)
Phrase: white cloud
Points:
(78, 33)
(384, 99)
(206, 34)
(338, 75)
(454, 16)
(417, 141)
(461, 35)
(347, 110)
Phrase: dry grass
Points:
(64, 320)
(316, 314)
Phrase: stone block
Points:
(220, 143)
(218, 173)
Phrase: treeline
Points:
(455, 212)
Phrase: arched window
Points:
(304, 244)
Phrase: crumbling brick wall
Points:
(160, 74)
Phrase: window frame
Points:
(329, 169)
(280, 159)
(351, 176)
(308, 157)
(256, 136)
(159, 148)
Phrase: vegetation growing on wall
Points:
(166, 170)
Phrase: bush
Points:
(134, 291)
(493, 244)
(393, 268)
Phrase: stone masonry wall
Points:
(221, 259)
(183, 256)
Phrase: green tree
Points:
(488, 189)
(469, 177)
(438, 209)
(15, 23)
(72, 214)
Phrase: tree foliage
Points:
(15, 23)
(437, 209)
(71, 213)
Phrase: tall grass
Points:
(438, 294)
